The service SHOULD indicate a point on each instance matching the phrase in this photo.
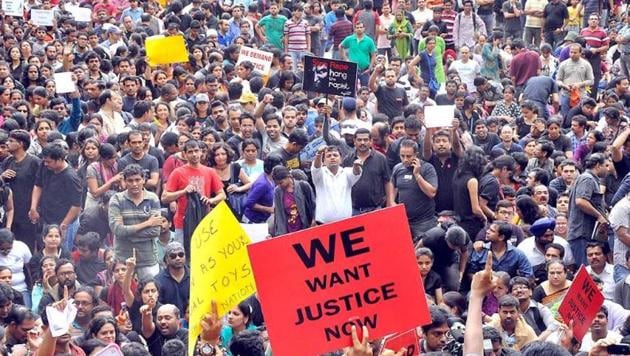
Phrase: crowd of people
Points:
(102, 187)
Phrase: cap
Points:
(349, 104)
(539, 226)
(202, 98)
(324, 101)
(113, 29)
(247, 98)
(172, 247)
(571, 36)
(348, 128)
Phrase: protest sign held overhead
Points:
(330, 76)
(13, 7)
(260, 59)
(318, 283)
(219, 267)
(166, 50)
(581, 303)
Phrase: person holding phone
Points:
(415, 185)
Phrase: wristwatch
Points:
(207, 349)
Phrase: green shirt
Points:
(274, 29)
(359, 51)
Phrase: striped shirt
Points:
(595, 38)
(340, 30)
(297, 33)
(448, 17)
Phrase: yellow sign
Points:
(219, 268)
(166, 50)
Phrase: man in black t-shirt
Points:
(391, 99)
(20, 170)
(168, 327)
(137, 156)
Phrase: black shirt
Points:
(157, 340)
(60, 192)
(555, 14)
(369, 190)
(391, 101)
(445, 172)
(22, 184)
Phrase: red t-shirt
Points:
(206, 178)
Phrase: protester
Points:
(116, 162)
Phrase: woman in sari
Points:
(400, 33)
(552, 291)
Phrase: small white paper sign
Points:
(80, 14)
(64, 83)
(256, 232)
(13, 7)
(59, 321)
(42, 17)
(439, 115)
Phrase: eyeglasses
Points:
(173, 256)
(82, 303)
(66, 274)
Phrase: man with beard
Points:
(511, 324)
(534, 247)
(599, 330)
(536, 315)
(415, 185)
(219, 120)
(586, 206)
(66, 277)
(443, 151)
(174, 281)
(166, 327)
(85, 299)
(130, 87)
(374, 189)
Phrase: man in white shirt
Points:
(599, 330)
(596, 252)
(333, 185)
(534, 247)
(466, 68)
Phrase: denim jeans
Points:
(621, 272)
(297, 56)
(488, 20)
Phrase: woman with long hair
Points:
(102, 175)
(32, 76)
(88, 155)
(198, 59)
(41, 129)
(552, 291)
(147, 293)
(16, 62)
(46, 281)
(235, 180)
(113, 292)
(239, 319)
(466, 188)
(527, 210)
(104, 329)
(51, 245)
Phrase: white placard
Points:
(64, 83)
(256, 232)
(260, 59)
(80, 14)
(60, 320)
(42, 17)
(439, 115)
(13, 7)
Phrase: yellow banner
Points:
(219, 268)
(166, 50)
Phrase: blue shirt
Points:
(173, 292)
(261, 192)
(513, 261)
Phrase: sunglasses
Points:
(173, 256)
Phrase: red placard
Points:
(315, 284)
(409, 340)
(581, 303)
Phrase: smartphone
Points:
(619, 349)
